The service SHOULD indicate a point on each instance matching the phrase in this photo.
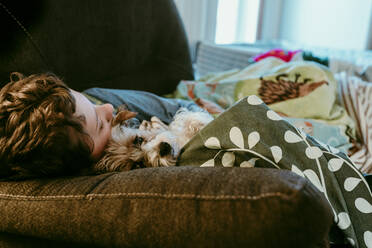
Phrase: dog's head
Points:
(132, 148)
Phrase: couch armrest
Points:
(170, 207)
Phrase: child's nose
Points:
(108, 111)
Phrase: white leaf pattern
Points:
(291, 137)
(228, 159)
(277, 153)
(314, 179)
(296, 170)
(209, 163)
(246, 164)
(313, 152)
(351, 182)
(250, 163)
(367, 236)
(335, 164)
(351, 241)
(343, 220)
(272, 115)
(254, 100)
(212, 143)
(236, 137)
(363, 205)
(253, 139)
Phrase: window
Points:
(333, 23)
(237, 21)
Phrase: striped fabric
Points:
(356, 96)
(217, 58)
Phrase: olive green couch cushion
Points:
(166, 207)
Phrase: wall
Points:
(337, 23)
(269, 23)
(199, 17)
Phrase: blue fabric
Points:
(144, 103)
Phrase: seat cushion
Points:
(170, 207)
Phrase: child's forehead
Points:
(85, 109)
(80, 99)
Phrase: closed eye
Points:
(100, 124)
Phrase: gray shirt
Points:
(144, 103)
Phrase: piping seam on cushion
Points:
(145, 195)
(28, 35)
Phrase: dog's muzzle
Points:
(165, 149)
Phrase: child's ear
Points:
(123, 116)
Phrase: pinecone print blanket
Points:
(249, 134)
(304, 92)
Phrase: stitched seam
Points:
(143, 195)
(29, 36)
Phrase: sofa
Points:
(140, 45)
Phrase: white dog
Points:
(152, 143)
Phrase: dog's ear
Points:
(123, 116)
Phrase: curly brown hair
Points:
(39, 135)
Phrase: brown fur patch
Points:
(122, 116)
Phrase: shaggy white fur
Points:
(152, 144)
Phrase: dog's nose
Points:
(165, 149)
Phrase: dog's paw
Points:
(156, 123)
(188, 123)
(145, 125)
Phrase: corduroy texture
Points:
(121, 44)
(170, 207)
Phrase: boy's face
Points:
(96, 122)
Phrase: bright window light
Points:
(227, 18)
(237, 21)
